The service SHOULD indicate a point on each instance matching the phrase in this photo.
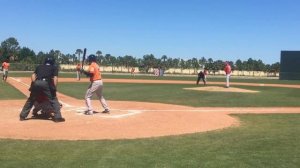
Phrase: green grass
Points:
(265, 140)
(173, 77)
(175, 94)
(7, 92)
(270, 140)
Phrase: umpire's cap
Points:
(92, 58)
(49, 60)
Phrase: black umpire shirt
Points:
(46, 71)
(201, 75)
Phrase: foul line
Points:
(18, 80)
(130, 113)
(80, 111)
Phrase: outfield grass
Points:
(269, 140)
(264, 140)
(175, 94)
(174, 77)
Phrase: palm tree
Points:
(120, 62)
(107, 59)
(189, 64)
(74, 58)
(202, 62)
(195, 64)
(149, 61)
(275, 67)
(169, 64)
(164, 57)
(260, 66)
(239, 66)
(126, 60)
(79, 51)
(57, 56)
(101, 58)
(250, 63)
(176, 62)
(113, 61)
(182, 65)
(99, 53)
(209, 64)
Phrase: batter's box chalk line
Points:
(112, 114)
(65, 104)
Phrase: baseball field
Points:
(156, 122)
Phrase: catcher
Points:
(42, 108)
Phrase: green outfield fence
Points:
(290, 65)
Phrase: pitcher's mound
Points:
(222, 89)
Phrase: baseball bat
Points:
(83, 58)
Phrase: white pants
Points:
(95, 87)
(227, 80)
(5, 72)
(78, 75)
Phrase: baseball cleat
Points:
(22, 118)
(106, 111)
(59, 120)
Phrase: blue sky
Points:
(219, 29)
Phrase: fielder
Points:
(5, 67)
(43, 108)
(201, 75)
(227, 70)
(78, 67)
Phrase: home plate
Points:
(221, 89)
(114, 113)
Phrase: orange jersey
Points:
(95, 70)
(5, 65)
(78, 67)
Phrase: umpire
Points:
(201, 75)
(44, 81)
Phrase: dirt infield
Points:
(221, 89)
(127, 120)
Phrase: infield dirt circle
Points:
(127, 120)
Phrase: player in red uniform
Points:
(227, 70)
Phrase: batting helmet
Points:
(49, 60)
(92, 58)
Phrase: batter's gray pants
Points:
(95, 87)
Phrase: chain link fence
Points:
(22, 67)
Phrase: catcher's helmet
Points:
(49, 60)
(92, 58)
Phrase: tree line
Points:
(12, 51)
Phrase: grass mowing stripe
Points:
(8, 92)
(175, 94)
(211, 78)
(265, 140)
